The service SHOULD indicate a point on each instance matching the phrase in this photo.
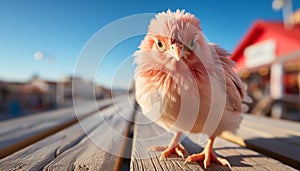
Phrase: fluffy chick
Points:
(185, 84)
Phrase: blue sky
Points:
(61, 28)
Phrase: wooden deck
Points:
(115, 136)
(276, 138)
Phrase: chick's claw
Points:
(207, 156)
(167, 151)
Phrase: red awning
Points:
(288, 40)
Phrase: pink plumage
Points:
(181, 79)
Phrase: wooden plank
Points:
(100, 149)
(289, 127)
(16, 129)
(36, 156)
(276, 138)
(36, 120)
(21, 132)
(146, 135)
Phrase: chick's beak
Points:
(175, 52)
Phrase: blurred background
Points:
(40, 42)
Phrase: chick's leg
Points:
(173, 148)
(207, 155)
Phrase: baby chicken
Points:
(185, 84)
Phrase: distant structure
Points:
(21, 98)
(287, 10)
(81, 88)
(268, 60)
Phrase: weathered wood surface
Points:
(278, 139)
(18, 133)
(147, 134)
(100, 150)
(41, 153)
(75, 147)
(96, 142)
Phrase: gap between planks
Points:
(86, 155)
(127, 145)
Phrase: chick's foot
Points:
(173, 148)
(168, 150)
(207, 156)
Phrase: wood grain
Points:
(96, 142)
(21, 132)
(36, 156)
(241, 158)
(276, 138)
(100, 149)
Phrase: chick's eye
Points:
(160, 45)
(192, 44)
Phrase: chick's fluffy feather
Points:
(164, 86)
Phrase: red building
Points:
(268, 60)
